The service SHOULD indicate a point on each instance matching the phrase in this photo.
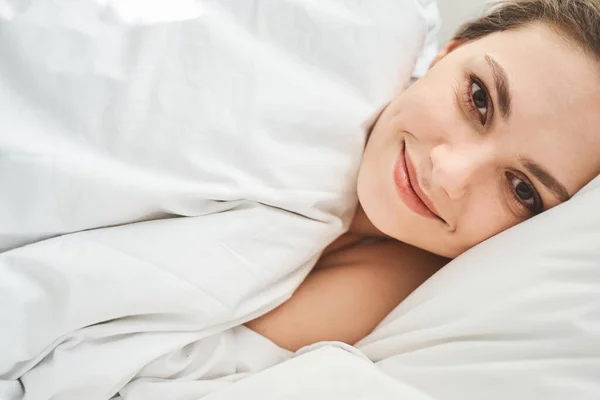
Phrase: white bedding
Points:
(246, 117)
(90, 311)
(327, 372)
(517, 317)
(110, 116)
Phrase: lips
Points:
(414, 182)
(408, 188)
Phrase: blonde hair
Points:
(579, 20)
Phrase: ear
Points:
(447, 49)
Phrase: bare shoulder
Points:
(355, 285)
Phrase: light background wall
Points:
(455, 12)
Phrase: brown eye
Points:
(524, 191)
(480, 100)
(525, 194)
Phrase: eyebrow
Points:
(553, 185)
(501, 83)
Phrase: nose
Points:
(458, 167)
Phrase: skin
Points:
(468, 149)
(460, 163)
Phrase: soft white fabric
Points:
(116, 112)
(517, 317)
(246, 117)
(327, 373)
(86, 313)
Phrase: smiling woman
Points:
(502, 128)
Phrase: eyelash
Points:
(468, 98)
(537, 206)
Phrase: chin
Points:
(409, 228)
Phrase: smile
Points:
(408, 188)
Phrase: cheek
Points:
(484, 216)
(429, 110)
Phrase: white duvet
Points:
(170, 170)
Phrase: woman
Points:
(503, 127)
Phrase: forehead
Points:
(555, 92)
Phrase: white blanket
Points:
(246, 117)
(325, 373)
(90, 311)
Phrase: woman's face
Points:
(499, 130)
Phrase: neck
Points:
(361, 225)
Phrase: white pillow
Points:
(517, 317)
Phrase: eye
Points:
(524, 194)
(480, 100)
